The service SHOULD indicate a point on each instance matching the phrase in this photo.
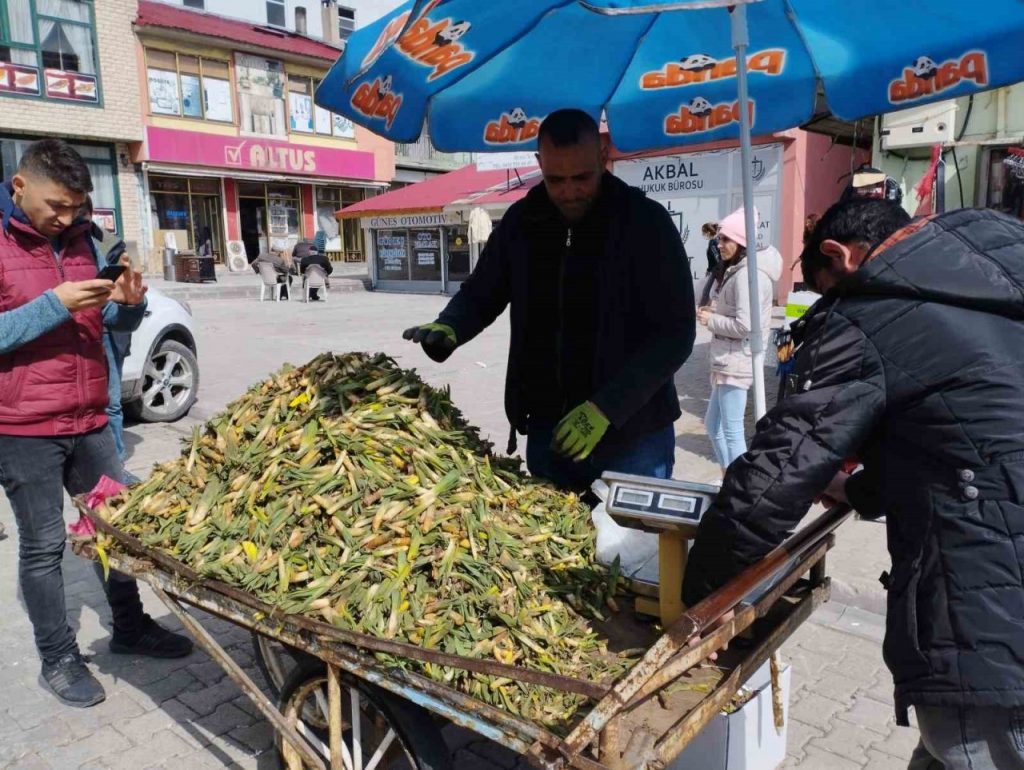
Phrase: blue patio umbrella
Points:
(481, 76)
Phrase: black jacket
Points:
(645, 326)
(915, 365)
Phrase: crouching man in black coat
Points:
(912, 361)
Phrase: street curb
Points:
(193, 292)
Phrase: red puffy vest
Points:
(55, 385)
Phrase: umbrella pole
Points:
(740, 44)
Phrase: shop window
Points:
(188, 86)
(344, 237)
(261, 95)
(197, 4)
(48, 48)
(392, 255)
(300, 104)
(329, 124)
(189, 210)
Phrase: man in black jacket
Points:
(912, 361)
(602, 314)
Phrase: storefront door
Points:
(457, 258)
(269, 215)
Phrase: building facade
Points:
(237, 159)
(68, 69)
(983, 153)
(333, 21)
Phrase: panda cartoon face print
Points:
(452, 33)
(698, 62)
(517, 117)
(925, 68)
(385, 87)
(700, 107)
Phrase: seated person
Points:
(306, 254)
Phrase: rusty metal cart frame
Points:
(773, 591)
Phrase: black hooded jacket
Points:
(915, 364)
(623, 311)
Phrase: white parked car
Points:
(160, 379)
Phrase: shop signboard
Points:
(192, 148)
(704, 187)
(409, 220)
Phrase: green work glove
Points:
(580, 431)
(438, 340)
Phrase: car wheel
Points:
(170, 383)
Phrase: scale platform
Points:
(670, 509)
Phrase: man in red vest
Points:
(53, 397)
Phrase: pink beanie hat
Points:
(734, 226)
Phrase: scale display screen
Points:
(656, 504)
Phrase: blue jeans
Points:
(724, 422)
(972, 738)
(115, 415)
(34, 472)
(652, 455)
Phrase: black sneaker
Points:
(153, 641)
(72, 682)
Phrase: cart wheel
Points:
(391, 734)
(277, 661)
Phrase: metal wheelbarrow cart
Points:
(339, 706)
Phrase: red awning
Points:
(162, 15)
(433, 195)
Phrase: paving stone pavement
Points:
(178, 715)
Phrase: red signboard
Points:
(167, 145)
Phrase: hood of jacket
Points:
(971, 258)
(769, 264)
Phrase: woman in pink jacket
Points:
(728, 319)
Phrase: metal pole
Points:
(740, 43)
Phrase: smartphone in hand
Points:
(111, 272)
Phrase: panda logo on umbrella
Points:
(452, 33)
(925, 68)
(700, 107)
(517, 118)
(698, 62)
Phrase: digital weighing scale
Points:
(670, 509)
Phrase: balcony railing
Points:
(423, 154)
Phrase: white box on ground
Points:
(747, 738)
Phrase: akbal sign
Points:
(704, 187)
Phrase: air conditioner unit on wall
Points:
(920, 126)
(237, 260)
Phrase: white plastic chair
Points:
(314, 278)
(268, 281)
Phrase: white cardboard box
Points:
(746, 739)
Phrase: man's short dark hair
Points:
(564, 128)
(859, 220)
(58, 161)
